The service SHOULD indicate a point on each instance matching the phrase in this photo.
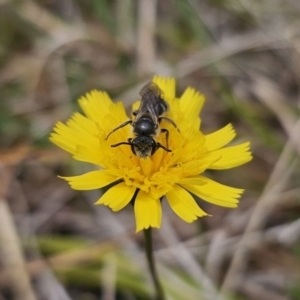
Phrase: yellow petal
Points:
(146, 165)
(231, 157)
(69, 138)
(95, 105)
(88, 154)
(117, 197)
(219, 138)
(64, 137)
(157, 159)
(215, 192)
(82, 124)
(195, 167)
(147, 211)
(167, 85)
(184, 205)
(62, 143)
(192, 181)
(191, 103)
(90, 181)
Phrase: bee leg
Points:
(122, 143)
(120, 126)
(170, 121)
(159, 145)
(166, 131)
(125, 143)
(134, 113)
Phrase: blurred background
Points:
(243, 55)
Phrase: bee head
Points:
(143, 146)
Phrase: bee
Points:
(145, 126)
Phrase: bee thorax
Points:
(144, 126)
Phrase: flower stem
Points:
(151, 263)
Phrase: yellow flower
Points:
(174, 176)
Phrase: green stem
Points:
(151, 263)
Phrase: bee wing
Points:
(150, 89)
(151, 97)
